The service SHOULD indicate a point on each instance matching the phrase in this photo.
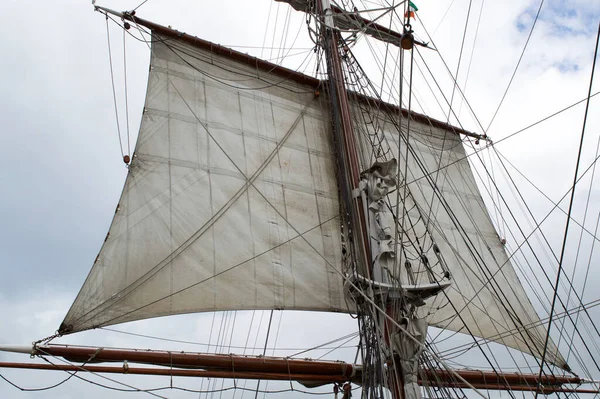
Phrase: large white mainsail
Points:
(231, 202)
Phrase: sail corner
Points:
(65, 329)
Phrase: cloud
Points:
(61, 169)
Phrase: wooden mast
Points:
(349, 176)
(346, 146)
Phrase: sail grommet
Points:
(126, 159)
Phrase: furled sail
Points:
(231, 202)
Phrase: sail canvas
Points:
(231, 202)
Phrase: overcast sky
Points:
(61, 168)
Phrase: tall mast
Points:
(357, 217)
(345, 141)
(369, 222)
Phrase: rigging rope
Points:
(413, 226)
(555, 203)
(560, 264)
(585, 280)
(141, 4)
(471, 55)
(245, 347)
(74, 373)
(450, 110)
(575, 262)
(126, 91)
(112, 78)
(535, 229)
(506, 138)
(569, 281)
(20, 388)
(265, 348)
(462, 46)
(516, 67)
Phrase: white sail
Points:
(486, 298)
(231, 202)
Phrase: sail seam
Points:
(249, 182)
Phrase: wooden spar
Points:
(199, 360)
(371, 28)
(280, 71)
(185, 364)
(496, 379)
(246, 375)
(479, 380)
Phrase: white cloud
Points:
(60, 162)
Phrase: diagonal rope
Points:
(249, 182)
(564, 244)
(141, 4)
(516, 68)
(506, 138)
(126, 90)
(74, 373)
(555, 203)
(575, 310)
(112, 79)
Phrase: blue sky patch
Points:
(566, 66)
(562, 16)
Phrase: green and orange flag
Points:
(410, 13)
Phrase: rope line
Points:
(516, 68)
(112, 79)
(564, 244)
